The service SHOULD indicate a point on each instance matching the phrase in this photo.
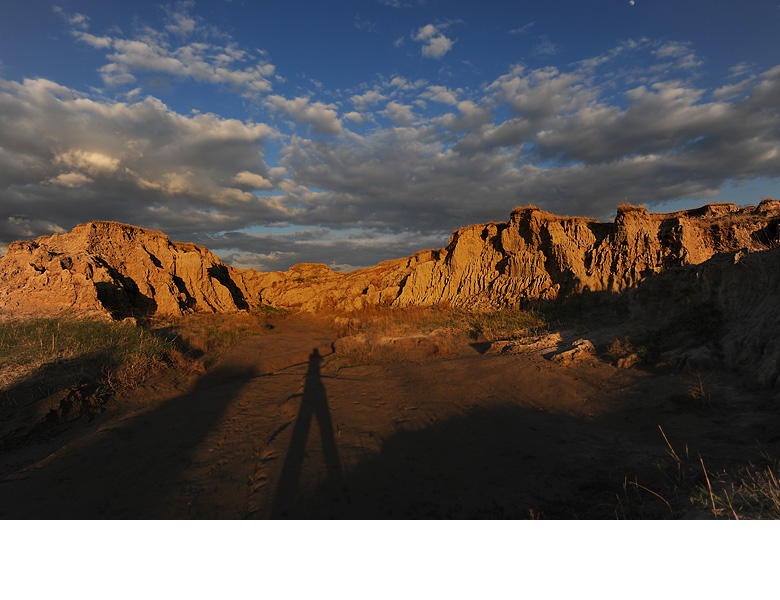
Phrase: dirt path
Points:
(273, 431)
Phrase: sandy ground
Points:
(275, 430)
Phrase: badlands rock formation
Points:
(110, 270)
(114, 270)
(709, 277)
(534, 255)
(727, 307)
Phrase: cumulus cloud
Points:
(73, 159)
(253, 180)
(569, 145)
(559, 137)
(356, 117)
(470, 117)
(400, 114)
(323, 118)
(214, 60)
(440, 93)
(362, 101)
(435, 43)
(404, 84)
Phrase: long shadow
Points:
(40, 405)
(494, 463)
(127, 471)
(314, 403)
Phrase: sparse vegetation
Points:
(382, 334)
(207, 336)
(687, 482)
(483, 325)
(749, 492)
(40, 356)
(627, 207)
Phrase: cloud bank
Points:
(377, 171)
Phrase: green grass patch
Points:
(40, 356)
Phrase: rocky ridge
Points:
(115, 270)
(111, 270)
(715, 270)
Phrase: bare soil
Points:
(279, 428)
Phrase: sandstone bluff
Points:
(709, 276)
(113, 270)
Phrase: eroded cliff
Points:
(111, 270)
(116, 270)
(534, 255)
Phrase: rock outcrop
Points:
(116, 270)
(110, 270)
(727, 309)
(534, 255)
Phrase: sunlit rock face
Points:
(114, 271)
(533, 255)
(110, 270)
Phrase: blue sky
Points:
(353, 131)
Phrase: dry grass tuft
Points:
(40, 356)
(382, 334)
(627, 207)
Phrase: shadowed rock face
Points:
(114, 270)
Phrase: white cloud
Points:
(404, 84)
(545, 47)
(74, 159)
(740, 69)
(101, 42)
(400, 114)
(70, 180)
(435, 43)
(151, 51)
(355, 117)
(322, 117)
(364, 24)
(679, 54)
(255, 181)
(564, 138)
(440, 93)
(522, 30)
(471, 117)
(361, 101)
(91, 162)
(180, 21)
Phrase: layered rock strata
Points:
(534, 255)
(114, 270)
(111, 270)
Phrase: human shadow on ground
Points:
(497, 462)
(128, 470)
(314, 403)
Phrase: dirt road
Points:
(274, 430)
